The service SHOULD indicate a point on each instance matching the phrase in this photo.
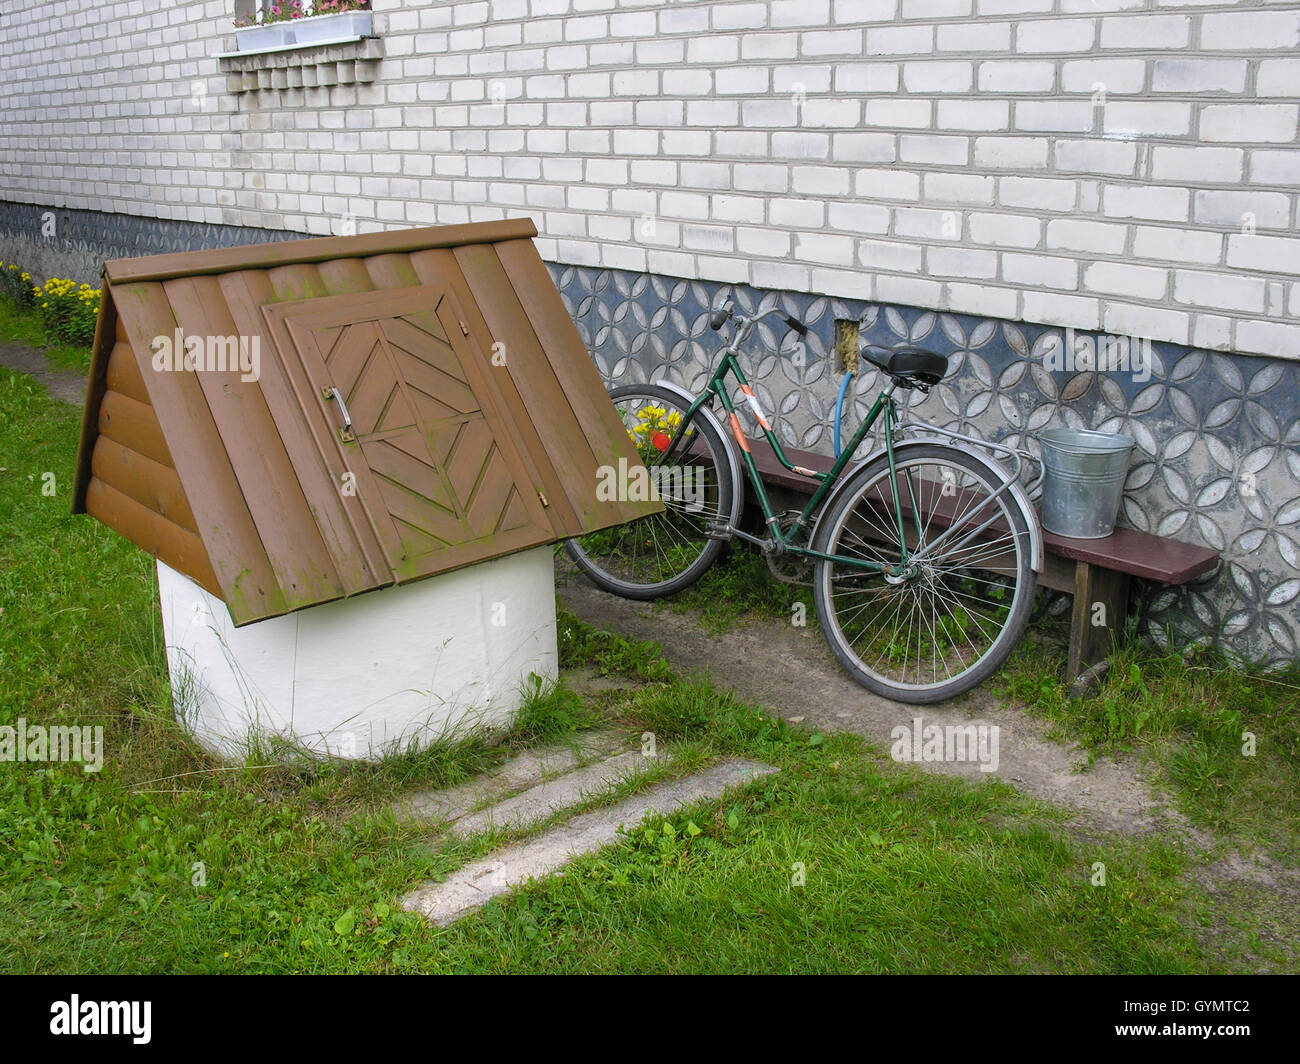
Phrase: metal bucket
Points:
(1084, 481)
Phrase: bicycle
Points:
(924, 555)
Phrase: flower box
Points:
(303, 32)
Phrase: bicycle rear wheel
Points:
(933, 628)
(665, 552)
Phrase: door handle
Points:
(345, 433)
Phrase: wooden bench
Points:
(1094, 571)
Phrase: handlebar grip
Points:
(719, 318)
(796, 325)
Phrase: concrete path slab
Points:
(546, 799)
(527, 769)
(475, 884)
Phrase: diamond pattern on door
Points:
(422, 431)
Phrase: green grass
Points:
(23, 325)
(737, 586)
(169, 861)
(1186, 714)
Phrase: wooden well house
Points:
(292, 424)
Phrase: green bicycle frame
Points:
(884, 404)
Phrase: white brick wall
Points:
(1096, 163)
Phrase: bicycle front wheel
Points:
(938, 622)
(665, 552)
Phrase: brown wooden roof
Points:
(478, 421)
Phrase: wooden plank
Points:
(568, 357)
(342, 277)
(106, 328)
(394, 271)
(1097, 619)
(134, 425)
(174, 546)
(239, 562)
(351, 543)
(275, 499)
(124, 373)
(285, 252)
(296, 282)
(570, 469)
(147, 482)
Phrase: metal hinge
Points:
(464, 328)
(542, 496)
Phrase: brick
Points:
(909, 291)
(932, 9)
(1197, 165)
(832, 42)
(757, 177)
(975, 115)
(797, 213)
(1268, 253)
(1155, 203)
(986, 37)
(930, 148)
(1040, 271)
(1176, 245)
(1133, 119)
(1251, 30)
(1275, 167)
(1054, 308)
(739, 16)
(1112, 75)
(779, 275)
(1012, 7)
(802, 79)
(927, 224)
(1277, 77)
(819, 181)
(1219, 290)
(1053, 116)
(866, 77)
(713, 49)
(745, 80)
(1194, 74)
(1119, 278)
(1004, 230)
(1056, 35)
(888, 255)
(961, 262)
(799, 13)
(887, 184)
(938, 76)
(899, 113)
(1249, 123)
(772, 46)
(1038, 193)
(824, 248)
(900, 40)
(1223, 208)
(985, 300)
(1211, 331)
(852, 12)
(1017, 76)
(863, 147)
(1096, 156)
(801, 145)
(859, 217)
(959, 188)
(1267, 338)
(738, 208)
(1078, 234)
(1012, 153)
(1145, 31)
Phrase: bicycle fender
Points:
(729, 445)
(994, 467)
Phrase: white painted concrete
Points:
(361, 676)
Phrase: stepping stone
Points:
(546, 799)
(528, 768)
(475, 884)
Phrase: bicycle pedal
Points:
(717, 530)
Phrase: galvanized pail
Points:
(1084, 482)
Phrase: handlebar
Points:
(727, 313)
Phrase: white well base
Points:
(359, 677)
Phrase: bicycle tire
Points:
(598, 566)
(857, 502)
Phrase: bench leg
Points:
(1100, 608)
